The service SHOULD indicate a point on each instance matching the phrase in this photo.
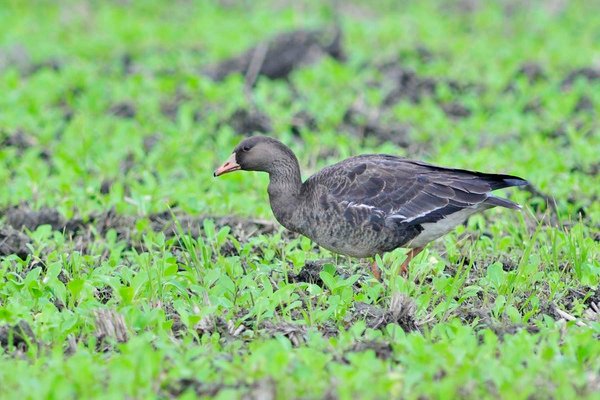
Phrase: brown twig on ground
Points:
(256, 63)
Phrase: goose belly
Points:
(356, 241)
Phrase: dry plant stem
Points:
(256, 63)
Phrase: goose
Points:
(369, 204)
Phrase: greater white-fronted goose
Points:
(369, 204)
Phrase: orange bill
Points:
(228, 166)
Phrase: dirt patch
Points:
(532, 71)
(474, 313)
(586, 73)
(303, 121)
(557, 132)
(13, 242)
(263, 389)
(365, 123)
(22, 216)
(106, 185)
(104, 294)
(124, 109)
(478, 315)
(227, 328)
(22, 141)
(502, 330)
(200, 389)
(382, 350)
(277, 57)
(311, 270)
(533, 106)
(18, 57)
(592, 169)
(101, 223)
(584, 105)
(406, 84)
(151, 141)
(401, 310)
(127, 163)
(170, 107)
(309, 273)
(128, 66)
(19, 336)
(420, 53)
(52, 64)
(248, 121)
(66, 110)
(456, 110)
(178, 328)
(19, 139)
(295, 332)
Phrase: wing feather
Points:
(406, 191)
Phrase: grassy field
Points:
(128, 271)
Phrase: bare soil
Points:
(277, 57)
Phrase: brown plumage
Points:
(369, 204)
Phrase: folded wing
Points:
(410, 192)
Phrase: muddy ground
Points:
(277, 57)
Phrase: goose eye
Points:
(246, 148)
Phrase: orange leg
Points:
(376, 271)
(412, 253)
